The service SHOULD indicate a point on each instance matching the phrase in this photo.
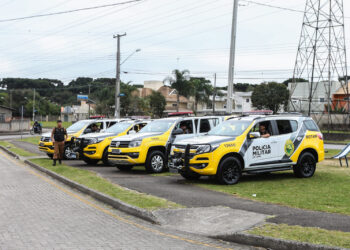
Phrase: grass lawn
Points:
(100, 184)
(14, 149)
(328, 190)
(331, 152)
(33, 140)
(53, 124)
(325, 131)
(304, 234)
(337, 142)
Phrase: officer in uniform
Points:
(58, 137)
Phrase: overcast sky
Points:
(184, 34)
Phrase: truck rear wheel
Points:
(306, 166)
(229, 171)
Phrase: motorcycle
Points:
(36, 130)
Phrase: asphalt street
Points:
(37, 212)
(175, 188)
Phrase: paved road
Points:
(175, 189)
(36, 212)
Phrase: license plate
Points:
(116, 151)
(42, 144)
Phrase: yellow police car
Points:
(81, 127)
(94, 146)
(253, 145)
(149, 146)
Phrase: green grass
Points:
(328, 190)
(337, 142)
(54, 124)
(100, 184)
(325, 131)
(33, 140)
(331, 152)
(304, 234)
(16, 150)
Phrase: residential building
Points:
(5, 114)
(77, 112)
(341, 99)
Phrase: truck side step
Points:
(267, 170)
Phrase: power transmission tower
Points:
(321, 58)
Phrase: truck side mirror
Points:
(178, 131)
(254, 135)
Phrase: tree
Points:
(201, 91)
(180, 82)
(244, 87)
(272, 96)
(157, 103)
(286, 82)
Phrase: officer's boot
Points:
(54, 163)
(60, 161)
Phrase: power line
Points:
(67, 11)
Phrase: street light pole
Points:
(117, 80)
(232, 58)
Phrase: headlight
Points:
(135, 144)
(202, 149)
(95, 140)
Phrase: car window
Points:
(230, 128)
(204, 126)
(267, 125)
(311, 125)
(110, 124)
(284, 127)
(77, 126)
(160, 126)
(118, 128)
(294, 125)
(186, 126)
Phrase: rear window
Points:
(311, 125)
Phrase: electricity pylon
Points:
(321, 57)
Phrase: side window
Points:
(263, 125)
(110, 124)
(204, 126)
(294, 125)
(311, 125)
(284, 127)
(187, 126)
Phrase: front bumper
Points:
(46, 147)
(184, 160)
(127, 156)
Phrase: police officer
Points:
(58, 137)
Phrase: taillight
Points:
(320, 136)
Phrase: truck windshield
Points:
(118, 128)
(230, 128)
(160, 126)
(77, 126)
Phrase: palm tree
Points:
(202, 90)
(180, 82)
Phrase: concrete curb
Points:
(118, 204)
(272, 243)
(115, 203)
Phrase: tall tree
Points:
(180, 82)
(201, 91)
(157, 103)
(272, 96)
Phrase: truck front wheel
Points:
(229, 171)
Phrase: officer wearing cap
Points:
(58, 137)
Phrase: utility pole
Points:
(117, 80)
(231, 69)
(89, 100)
(34, 106)
(214, 95)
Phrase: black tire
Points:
(306, 166)
(90, 161)
(105, 158)
(155, 162)
(229, 171)
(124, 168)
(50, 156)
(190, 175)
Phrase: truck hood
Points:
(96, 135)
(137, 136)
(205, 139)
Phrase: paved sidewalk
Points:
(36, 212)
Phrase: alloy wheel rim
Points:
(231, 173)
(157, 162)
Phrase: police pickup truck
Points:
(236, 146)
